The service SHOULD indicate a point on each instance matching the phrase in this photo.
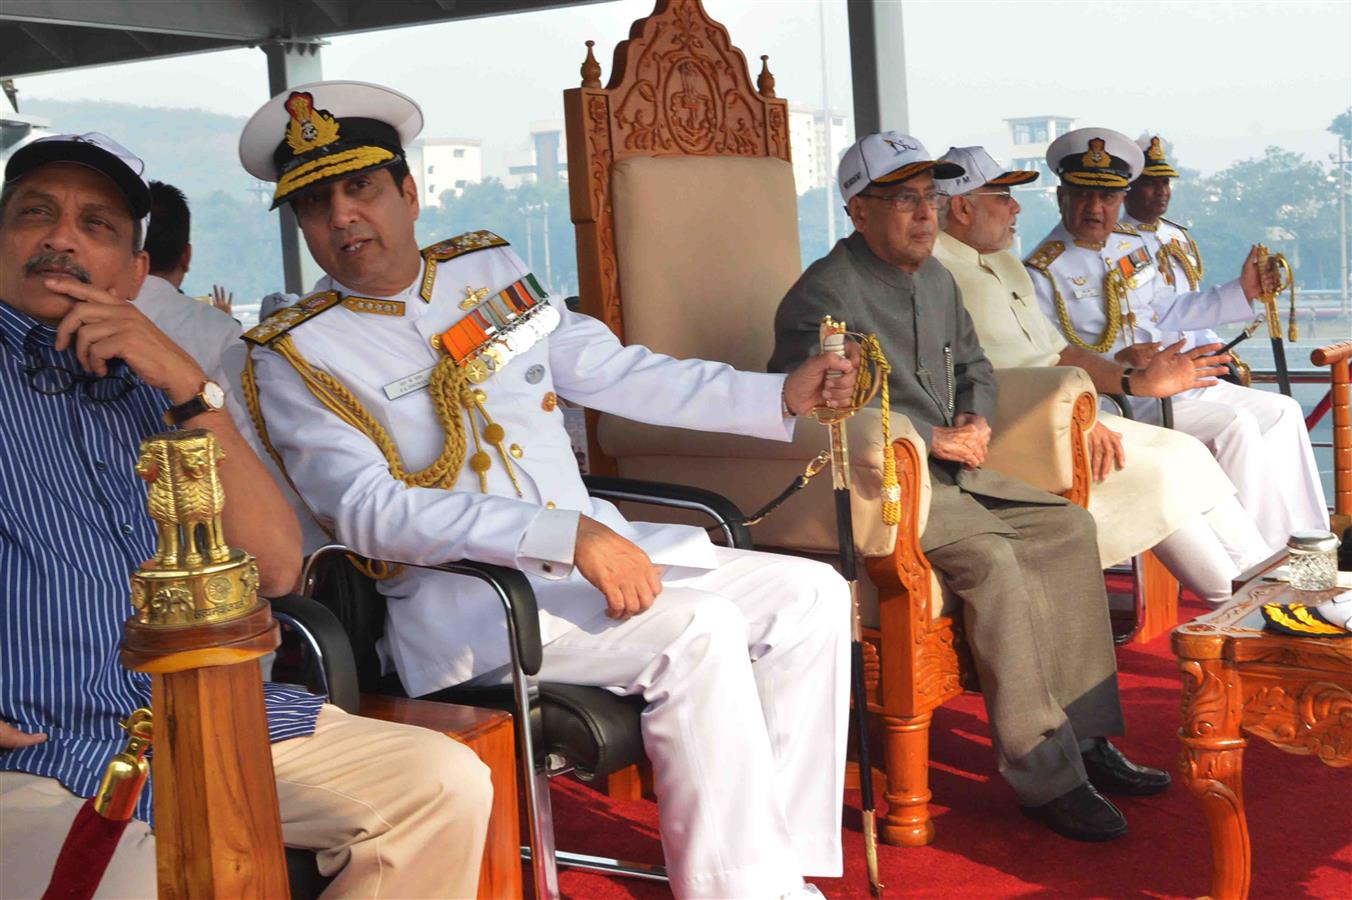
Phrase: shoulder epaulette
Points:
(462, 244)
(1123, 228)
(1043, 257)
(1177, 225)
(441, 251)
(283, 320)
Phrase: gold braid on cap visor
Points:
(333, 164)
(1095, 179)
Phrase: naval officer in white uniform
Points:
(1099, 282)
(413, 400)
(1277, 417)
(1155, 488)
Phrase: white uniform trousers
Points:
(746, 672)
(1259, 439)
(1208, 551)
(394, 810)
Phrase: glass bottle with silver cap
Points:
(1314, 560)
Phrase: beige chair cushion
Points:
(1032, 431)
(707, 247)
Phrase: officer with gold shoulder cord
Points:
(1156, 488)
(413, 400)
(1100, 283)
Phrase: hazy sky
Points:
(1222, 80)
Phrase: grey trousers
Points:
(1035, 614)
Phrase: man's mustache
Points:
(50, 259)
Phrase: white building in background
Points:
(1029, 138)
(445, 164)
(543, 160)
(814, 158)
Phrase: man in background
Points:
(1098, 280)
(205, 330)
(199, 328)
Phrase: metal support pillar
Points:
(878, 66)
(291, 63)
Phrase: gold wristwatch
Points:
(211, 397)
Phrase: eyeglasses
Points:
(909, 201)
(53, 380)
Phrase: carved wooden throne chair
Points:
(687, 237)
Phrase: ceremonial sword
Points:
(833, 341)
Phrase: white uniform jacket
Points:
(1071, 282)
(1169, 478)
(1184, 278)
(445, 629)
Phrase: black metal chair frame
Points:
(330, 645)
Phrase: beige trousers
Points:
(393, 810)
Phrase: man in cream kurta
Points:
(1099, 282)
(413, 399)
(1164, 490)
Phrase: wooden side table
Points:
(488, 732)
(1295, 693)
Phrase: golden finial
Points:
(766, 82)
(195, 577)
(126, 772)
(591, 69)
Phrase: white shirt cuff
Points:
(546, 549)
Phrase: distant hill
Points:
(191, 148)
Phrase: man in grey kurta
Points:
(1023, 561)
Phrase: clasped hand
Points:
(966, 441)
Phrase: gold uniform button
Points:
(550, 505)
(516, 451)
(550, 401)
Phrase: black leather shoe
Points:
(1113, 773)
(1082, 814)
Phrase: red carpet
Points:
(1299, 811)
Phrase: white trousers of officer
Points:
(746, 672)
(1208, 551)
(1259, 439)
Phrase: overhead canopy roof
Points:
(52, 35)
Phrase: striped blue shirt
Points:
(73, 527)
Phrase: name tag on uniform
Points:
(409, 383)
(1082, 293)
